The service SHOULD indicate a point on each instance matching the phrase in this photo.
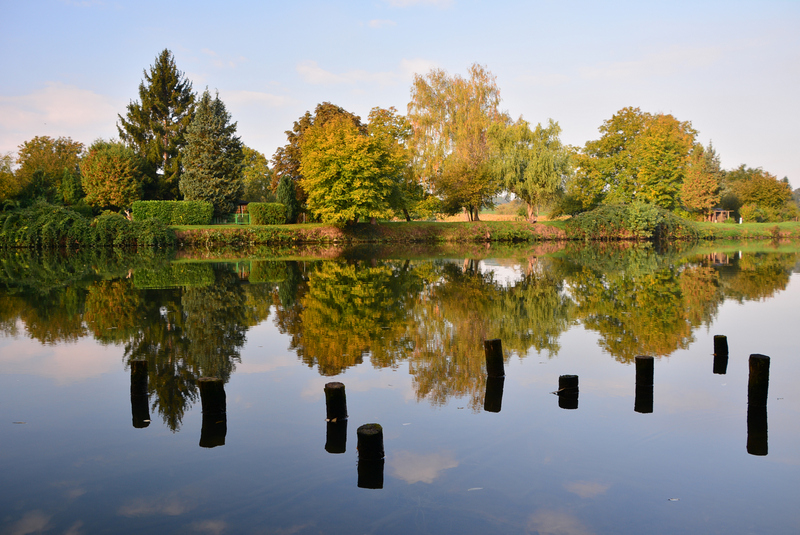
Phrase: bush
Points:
(174, 212)
(44, 226)
(267, 213)
(636, 221)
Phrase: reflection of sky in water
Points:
(76, 465)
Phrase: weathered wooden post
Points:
(720, 354)
(140, 405)
(370, 456)
(335, 402)
(215, 419)
(494, 358)
(493, 401)
(757, 392)
(643, 402)
(568, 391)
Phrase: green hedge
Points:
(174, 275)
(174, 212)
(45, 226)
(635, 221)
(267, 213)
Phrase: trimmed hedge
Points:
(267, 213)
(174, 212)
(45, 226)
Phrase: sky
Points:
(731, 68)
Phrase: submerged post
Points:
(493, 401)
(494, 357)
(370, 456)
(720, 354)
(215, 420)
(643, 402)
(140, 405)
(757, 391)
(568, 392)
(335, 401)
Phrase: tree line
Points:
(454, 152)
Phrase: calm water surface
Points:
(82, 452)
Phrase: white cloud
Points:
(546, 522)
(415, 467)
(32, 522)
(586, 489)
(661, 64)
(379, 23)
(58, 109)
(221, 62)
(410, 67)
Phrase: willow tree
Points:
(451, 118)
(157, 122)
(533, 163)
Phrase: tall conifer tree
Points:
(157, 122)
(212, 157)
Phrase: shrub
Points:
(174, 212)
(635, 221)
(267, 213)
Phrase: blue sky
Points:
(732, 68)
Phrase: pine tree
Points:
(212, 157)
(156, 124)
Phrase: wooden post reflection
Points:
(336, 416)
(370, 456)
(140, 404)
(757, 392)
(643, 402)
(215, 420)
(568, 392)
(493, 401)
(336, 437)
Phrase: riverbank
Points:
(440, 232)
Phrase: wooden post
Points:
(720, 364)
(757, 441)
(336, 436)
(758, 383)
(643, 402)
(720, 344)
(370, 456)
(215, 420)
(140, 404)
(494, 358)
(335, 402)
(493, 401)
(568, 392)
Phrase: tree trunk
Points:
(533, 215)
(475, 214)
(405, 213)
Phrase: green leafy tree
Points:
(286, 160)
(156, 124)
(451, 118)
(639, 156)
(111, 175)
(48, 169)
(257, 176)
(533, 164)
(394, 131)
(347, 174)
(287, 196)
(212, 157)
(9, 185)
(757, 195)
(700, 188)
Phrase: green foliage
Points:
(257, 176)
(757, 195)
(347, 174)
(636, 221)
(9, 185)
(157, 122)
(212, 157)
(287, 196)
(534, 164)
(701, 185)
(267, 213)
(174, 275)
(174, 212)
(111, 175)
(639, 157)
(48, 170)
(47, 226)
(451, 118)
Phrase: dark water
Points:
(82, 452)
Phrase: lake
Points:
(104, 428)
